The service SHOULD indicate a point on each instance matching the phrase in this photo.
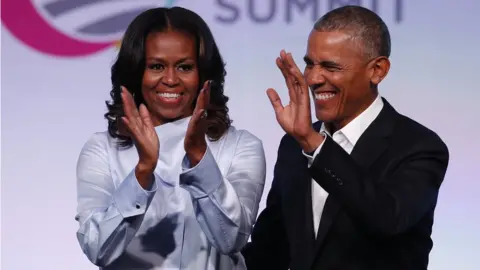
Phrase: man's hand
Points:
(195, 142)
(295, 118)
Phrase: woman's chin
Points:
(167, 116)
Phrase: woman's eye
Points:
(155, 66)
(185, 67)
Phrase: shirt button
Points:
(137, 206)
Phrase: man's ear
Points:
(379, 69)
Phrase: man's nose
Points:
(315, 76)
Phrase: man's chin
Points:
(326, 116)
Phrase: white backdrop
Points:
(55, 78)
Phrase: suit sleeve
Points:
(269, 248)
(386, 206)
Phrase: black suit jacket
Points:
(380, 208)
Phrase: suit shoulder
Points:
(287, 141)
(418, 133)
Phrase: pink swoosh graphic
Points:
(23, 21)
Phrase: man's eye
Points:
(332, 69)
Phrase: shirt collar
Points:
(353, 130)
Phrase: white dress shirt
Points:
(346, 137)
(192, 218)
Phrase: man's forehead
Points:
(330, 37)
(332, 43)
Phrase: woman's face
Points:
(171, 81)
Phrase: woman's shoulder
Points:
(99, 141)
(241, 137)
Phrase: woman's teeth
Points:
(169, 95)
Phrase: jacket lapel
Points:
(371, 144)
(300, 201)
(374, 140)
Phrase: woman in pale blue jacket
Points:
(171, 184)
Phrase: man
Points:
(358, 189)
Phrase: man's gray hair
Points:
(361, 23)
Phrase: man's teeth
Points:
(324, 96)
(169, 95)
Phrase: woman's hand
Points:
(195, 142)
(140, 128)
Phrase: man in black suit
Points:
(358, 189)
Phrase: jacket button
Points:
(339, 181)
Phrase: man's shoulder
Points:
(409, 130)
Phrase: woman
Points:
(171, 185)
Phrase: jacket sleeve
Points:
(108, 217)
(402, 199)
(226, 205)
(269, 247)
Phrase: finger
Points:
(197, 117)
(194, 122)
(206, 85)
(301, 86)
(126, 128)
(206, 98)
(281, 66)
(294, 71)
(288, 79)
(275, 100)
(199, 105)
(129, 107)
(145, 116)
(283, 55)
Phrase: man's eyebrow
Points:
(322, 63)
(329, 63)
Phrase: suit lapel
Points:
(329, 213)
(371, 144)
(374, 140)
(309, 229)
(310, 234)
(301, 204)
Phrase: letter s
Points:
(234, 11)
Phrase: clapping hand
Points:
(295, 118)
(140, 128)
(195, 142)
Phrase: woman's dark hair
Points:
(129, 67)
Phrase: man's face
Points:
(340, 76)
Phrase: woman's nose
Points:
(170, 77)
